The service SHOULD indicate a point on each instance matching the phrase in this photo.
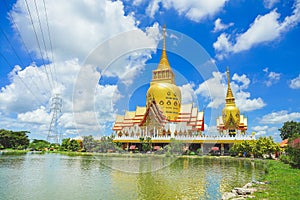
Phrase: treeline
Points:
(291, 131)
(256, 148)
(88, 144)
(13, 139)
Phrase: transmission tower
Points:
(53, 133)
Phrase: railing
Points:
(182, 137)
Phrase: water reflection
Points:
(54, 176)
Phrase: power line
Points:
(49, 36)
(43, 38)
(12, 47)
(24, 83)
(18, 31)
(38, 43)
(23, 43)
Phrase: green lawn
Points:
(284, 182)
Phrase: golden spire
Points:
(164, 63)
(229, 95)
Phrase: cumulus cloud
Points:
(95, 22)
(123, 56)
(39, 116)
(295, 83)
(188, 94)
(214, 90)
(260, 130)
(270, 3)
(193, 10)
(272, 77)
(265, 28)
(266, 130)
(279, 117)
(219, 26)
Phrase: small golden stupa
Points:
(231, 121)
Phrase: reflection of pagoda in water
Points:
(231, 122)
(164, 117)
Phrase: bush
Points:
(199, 152)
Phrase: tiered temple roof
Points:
(188, 115)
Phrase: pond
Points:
(56, 176)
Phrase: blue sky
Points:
(98, 55)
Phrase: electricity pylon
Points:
(53, 133)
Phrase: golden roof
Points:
(140, 110)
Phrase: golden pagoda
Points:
(163, 89)
(231, 121)
(163, 114)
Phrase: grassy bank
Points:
(13, 152)
(284, 182)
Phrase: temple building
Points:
(231, 122)
(163, 115)
(165, 118)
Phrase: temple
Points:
(231, 122)
(164, 118)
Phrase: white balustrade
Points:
(187, 137)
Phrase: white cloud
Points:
(214, 90)
(137, 2)
(193, 9)
(241, 79)
(95, 22)
(222, 46)
(272, 77)
(152, 8)
(188, 94)
(38, 116)
(265, 28)
(219, 26)
(270, 3)
(86, 116)
(279, 117)
(260, 130)
(246, 104)
(27, 96)
(295, 83)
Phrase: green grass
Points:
(284, 182)
(13, 152)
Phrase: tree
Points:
(74, 145)
(70, 145)
(39, 145)
(89, 143)
(12, 139)
(246, 147)
(65, 144)
(260, 147)
(289, 129)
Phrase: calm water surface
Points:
(55, 176)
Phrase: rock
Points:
(234, 192)
(238, 198)
(228, 195)
(248, 185)
(245, 191)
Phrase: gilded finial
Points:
(164, 63)
(228, 76)
(164, 31)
